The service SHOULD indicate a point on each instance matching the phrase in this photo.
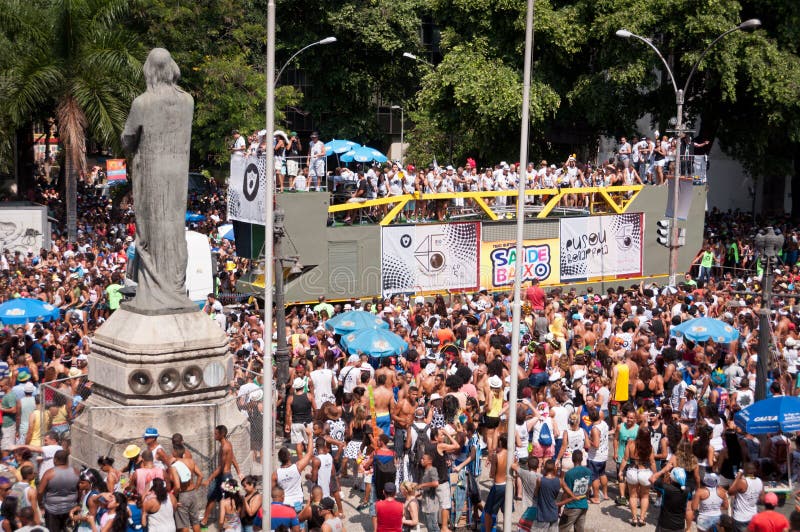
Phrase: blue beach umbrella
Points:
(354, 321)
(226, 231)
(338, 146)
(704, 329)
(374, 342)
(25, 310)
(194, 217)
(776, 414)
(363, 154)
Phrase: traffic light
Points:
(664, 229)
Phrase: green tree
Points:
(220, 48)
(76, 60)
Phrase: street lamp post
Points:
(402, 131)
(268, 401)
(768, 243)
(680, 128)
(409, 55)
(516, 317)
(326, 40)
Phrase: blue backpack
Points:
(545, 437)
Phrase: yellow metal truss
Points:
(603, 200)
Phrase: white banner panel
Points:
(422, 258)
(601, 247)
(247, 189)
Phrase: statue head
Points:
(160, 70)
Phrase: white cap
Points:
(435, 396)
(348, 306)
(298, 383)
(420, 300)
(495, 382)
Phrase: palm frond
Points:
(72, 129)
(36, 79)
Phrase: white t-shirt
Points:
(48, 452)
(323, 389)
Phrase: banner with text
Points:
(498, 263)
(426, 258)
(597, 247)
(246, 189)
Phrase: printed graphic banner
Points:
(498, 263)
(425, 258)
(247, 189)
(601, 247)
(116, 170)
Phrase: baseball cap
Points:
(389, 488)
(298, 383)
(771, 499)
(150, 432)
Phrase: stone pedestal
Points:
(139, 359)
(168, 371)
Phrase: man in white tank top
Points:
(746, 491)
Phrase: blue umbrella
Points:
(335, 146)
(776, 414)
(226, 232)
(354, 321)
(24, 310)
(193, 217)
(704, 329)
(376, 342)
(364, 154)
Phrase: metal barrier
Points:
(614, 199)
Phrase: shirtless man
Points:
(386, 369)
(384, 404)
(402, 417)
(427, 380)
(497, 494)
(186, 475)
(222, 472)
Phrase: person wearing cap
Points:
(389, 511)
(160, 458)
(331, 523)
(316, 160)
(708, 503)
(27, 405)
(300, 406)
(769, 520)
(238, 146)
(672, 517)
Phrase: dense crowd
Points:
(608, 405)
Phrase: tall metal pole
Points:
(402, 134)
(281, 349)
(519, 265)
(762, 368)
(673, 248)
(268, 415)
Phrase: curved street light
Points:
(326, 40)
(679, 126)
(409, 55)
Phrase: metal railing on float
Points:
(540, 202)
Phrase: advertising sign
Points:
(601, 247)
(498, 263)
(426, 258)
(116, 170)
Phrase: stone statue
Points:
(157, 135)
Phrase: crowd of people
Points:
(609, 405)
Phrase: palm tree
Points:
(75, 59)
